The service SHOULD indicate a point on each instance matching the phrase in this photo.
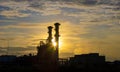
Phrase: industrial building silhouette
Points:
(47, 59)
(47, 54)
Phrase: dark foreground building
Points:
(47, 60)
(47, 56)
(89, 60)
(92, 62)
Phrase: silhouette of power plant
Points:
(48, 53)
(47, 59)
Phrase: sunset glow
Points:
(54, 43)
(86, 26)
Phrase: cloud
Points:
(18, 50)
(13, 13)
(27, 25)
(89, 2)
(85, 24)
(23, 8)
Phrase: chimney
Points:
(57, 39)
(49, 40)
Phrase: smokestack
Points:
(49, 40)
(57, 39)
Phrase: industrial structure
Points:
(47, 59)
(47, 54)
(87, 60)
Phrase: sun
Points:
(54, 43)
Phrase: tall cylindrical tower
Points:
(49, 40)
(57, 40)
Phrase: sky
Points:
(87, 26)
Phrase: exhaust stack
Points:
(49, 40)
(57, 39)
